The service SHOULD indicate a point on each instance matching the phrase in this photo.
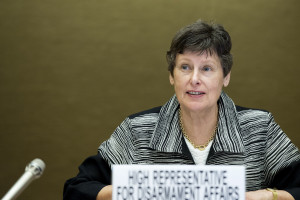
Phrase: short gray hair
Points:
(202, 37)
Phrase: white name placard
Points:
(178, 182)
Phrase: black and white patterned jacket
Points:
(248, 137)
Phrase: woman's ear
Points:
(171, 78)
(227, 79)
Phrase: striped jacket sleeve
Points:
(282, 163)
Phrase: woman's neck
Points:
(199, 126)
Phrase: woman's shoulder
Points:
(252, 111)
(242, 108)
(253, 115)
(152, 111)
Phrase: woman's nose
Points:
(195, 79)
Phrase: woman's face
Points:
(198, 80)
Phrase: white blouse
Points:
(199, 157)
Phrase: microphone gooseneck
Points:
(32, 171)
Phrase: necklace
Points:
(202, 146)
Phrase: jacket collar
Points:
(167, 136)
(228, 137)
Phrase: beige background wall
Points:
(71, 70)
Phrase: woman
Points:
(200, 124)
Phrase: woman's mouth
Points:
(195, 93)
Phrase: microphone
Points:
(32, 171)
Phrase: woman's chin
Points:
(197, 107)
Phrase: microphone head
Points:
(36, 167)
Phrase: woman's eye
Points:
(206, 69)
(185, 67)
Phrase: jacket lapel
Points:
(167, 136)
(228, 138)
